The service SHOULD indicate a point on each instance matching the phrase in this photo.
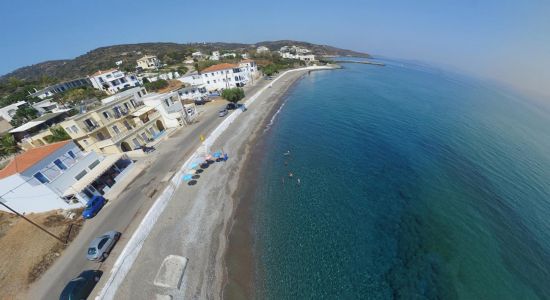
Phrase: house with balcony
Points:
(175, 110)
(148, 62)
(218, 77)
(58, 176)
(112, 81)
(120, 125)
(35, 133)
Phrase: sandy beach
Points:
(197, 221)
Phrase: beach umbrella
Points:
(187, 177)
(208, 157)
(194, 165)
(191, 171)
(217, 154)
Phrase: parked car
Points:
(102, 245)
(93, 206)
(231, 106)
(146, 149)
(223, 112)
(81, 286)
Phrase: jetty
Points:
(360, 62)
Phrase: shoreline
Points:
(239, 259)
(195, 222)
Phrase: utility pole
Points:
(28, 220)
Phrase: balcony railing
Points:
(140, 125)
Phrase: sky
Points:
(507, 41)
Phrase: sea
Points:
(402, 182)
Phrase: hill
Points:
(105, 57)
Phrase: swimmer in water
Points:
(298, 181)
(290, 174)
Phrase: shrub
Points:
(233, 94)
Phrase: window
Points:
(136, 142)
(167, 102)
(74, 128)
(94, 164)
(102, 243)
(60, 164)
(115, 129)
(144, 136)
(68, 129)
(208, 82)
(85, 142)
(71, 154)
(107, 115)
(80, 175)
(40, 177)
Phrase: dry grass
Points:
(27, 252)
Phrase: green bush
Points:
(156, 85)
(233, 94)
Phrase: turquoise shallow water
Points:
(415, 184)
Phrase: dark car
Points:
(93, 206)
(231, 106)
(81, 287)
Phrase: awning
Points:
(142, 111)
(92, 175)
(26, 126)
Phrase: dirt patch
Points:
(27, 251)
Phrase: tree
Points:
(8, 145)
(270, 69)
(23, 114)
(58, 134)
(233, 94)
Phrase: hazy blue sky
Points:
(504, 40)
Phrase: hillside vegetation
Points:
(105, 57)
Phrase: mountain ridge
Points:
(106, 56)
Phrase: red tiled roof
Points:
(29, 158)
(219, 67)
(103, 72)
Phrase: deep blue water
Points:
(415, 184)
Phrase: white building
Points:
(303, 57)
(223, 76)
(250, 69)
(60, 87)
(197, 92)
(229, 55)
(8, 112)
(148, 62)
(197, 55)
(174, 110)
(58, 176)
(215, 55)
(113, 80)
(262, 49)
(151, 77)
(48, 106)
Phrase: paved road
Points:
(125, 213)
